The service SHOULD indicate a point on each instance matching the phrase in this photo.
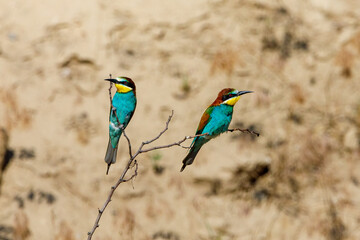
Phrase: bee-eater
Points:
(123, 107)
(214, 121)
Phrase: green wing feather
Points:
(204, 120)
(198, 141)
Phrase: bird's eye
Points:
(226, 97)
(126, 84)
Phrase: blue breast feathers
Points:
(220, 119)
(125, 104)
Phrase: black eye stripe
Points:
(226, 97)
(127, 84)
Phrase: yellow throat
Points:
(122, 89)
(232, 101)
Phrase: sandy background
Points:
(299, 180)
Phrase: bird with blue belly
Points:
(214, 121)
(121, 112)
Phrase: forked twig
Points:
(127, 167)
(140, 151)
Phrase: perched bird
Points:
(123, 107)
(214, 121)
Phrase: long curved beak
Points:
(110, 80)
(243, 92)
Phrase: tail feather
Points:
(110, 156)
(189, 159)
(108, 167)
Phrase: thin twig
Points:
(112, 190)
(127, 167)
(185, 147)
(244, 130)
(140, 151)
(171, 144)
(110, 91)
(129, 143)
(135, 172)
(113, 109)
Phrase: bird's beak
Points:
(243, 92)
(110, 80)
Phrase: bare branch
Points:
(140, 150)
(110, 91)
(108, 200)
(113, 109)
(172, 144)
(135, 172)
(185, 147)
(129, 143)
(127, 167)
(244, 130)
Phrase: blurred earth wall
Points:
(299, 180)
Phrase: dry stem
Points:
(140, 151)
